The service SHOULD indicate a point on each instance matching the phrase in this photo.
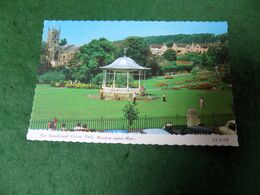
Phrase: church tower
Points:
(53, 44)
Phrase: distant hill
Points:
(180, 38)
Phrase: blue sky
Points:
(81, 32)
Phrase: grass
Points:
(52, 102)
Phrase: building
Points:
(186, 48)
(157, 49)
(180, 49)
(125, 67)
(58, 55)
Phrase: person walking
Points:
(202, 103)
(164, 98)
(134, 98)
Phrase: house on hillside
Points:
(186, 48)
(158, 49)
(180, 48)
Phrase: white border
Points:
(132, 138)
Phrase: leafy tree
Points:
(192, 57)
(137, 50)
(169, 44)
(51, 76)
(85, 65)
(204, 61)
(98, 79)
(170, 55)
(130, 113)
(63, 42)
(154, 65)
(219, 53)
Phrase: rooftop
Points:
(124, 63)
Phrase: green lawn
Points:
(52, 102)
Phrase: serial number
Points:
(226, 139)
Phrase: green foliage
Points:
(82, 86)
(121, 80)
(175, 68)
(130, 113)
(86, 63)
(170, 55)
(195, 71)
(98, 79)
(218, 54)
(192, 57)
(154, 65)
(182, 38)
(51, 76)
(63, 42)
(137, 50)
(206, 62)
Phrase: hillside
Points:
(180, 38)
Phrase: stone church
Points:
(58, 55)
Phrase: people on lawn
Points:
(85, 127)
(101, 94)
(49, 125)
(116, 95)
(54, 126)
(164, 98)
(77, 127)
(134, 97)
(63, 128)
(202, 103)
(168, 127)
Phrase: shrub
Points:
(51, 76)
(203, 86)
(160, 84)
(82, 86)
(58, 84)
(168, 77)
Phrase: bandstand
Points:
(123, 68)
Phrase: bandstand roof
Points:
(124, 63)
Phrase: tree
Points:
(51, 76)
(192, 57)
(137, 50)
(130, 113)
(206, 62)
(170, 55)
(63, 42)
(169, 44)
(154, 65)
(85, 65)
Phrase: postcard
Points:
(134, 82)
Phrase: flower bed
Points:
(203, 86)
(171, 88)
(82, 86)
(168, 77)
(160, 84)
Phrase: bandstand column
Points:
(104, 78)
(139, 79)
(127, 81)
(114, 80)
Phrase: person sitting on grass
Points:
(63, 128)
(49, 125)
(85, 128)
(168, 127)
(78, 127)
(134, 98)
